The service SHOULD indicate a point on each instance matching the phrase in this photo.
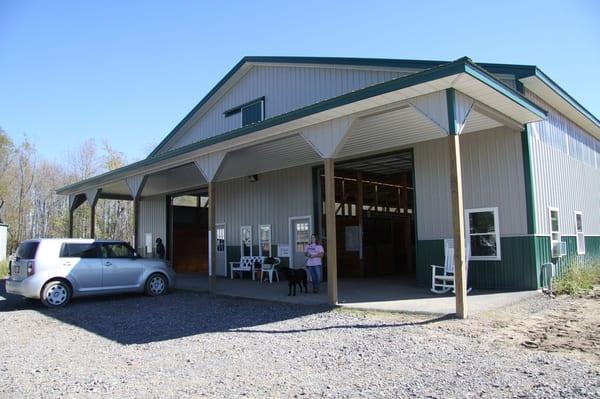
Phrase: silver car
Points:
(55, 270)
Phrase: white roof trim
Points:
(539, 88)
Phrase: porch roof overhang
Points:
(541, 85)
(462, 75)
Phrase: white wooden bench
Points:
(246, 264)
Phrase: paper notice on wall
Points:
(352, 238)
(283, 250)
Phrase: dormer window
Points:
(252, 112)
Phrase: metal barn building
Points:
(384, 159)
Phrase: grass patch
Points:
(3, 268)
(578, 278)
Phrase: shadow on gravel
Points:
(350, 326)
(137, 319)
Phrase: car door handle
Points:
(107, 264)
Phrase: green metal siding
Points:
(429, 252)
(592, 249)
(529, 185)
(516, 270)
(592, 252)
(520, 267)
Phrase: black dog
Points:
(294, 277)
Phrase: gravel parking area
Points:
(192, 344)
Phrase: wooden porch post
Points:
(332, 288)
(359, 215)
(75, 202)
(136, 186)
(136, 223)
(456, 193)
(70, 222)
(93, 220)
(458, 223)
(212, 239)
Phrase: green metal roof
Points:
(518, 70)
(462, 65)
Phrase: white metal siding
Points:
(272, 199)
(566, 168)
(492, 167)
(493, 175)
(153, 219)
(432, 188)
(285, 88)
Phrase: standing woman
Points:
(314, 252)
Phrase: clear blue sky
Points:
(129, 71)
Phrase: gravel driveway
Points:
(191, 344)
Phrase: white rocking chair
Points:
(443, 282)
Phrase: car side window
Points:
(78, 250)
(116, 250)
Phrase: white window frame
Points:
(552, 232)
(242, 240)
(260, 242)
(219, 227)
(496, 233)
(580, 242)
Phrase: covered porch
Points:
(396, 295)
(440, 104)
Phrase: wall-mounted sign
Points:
(352, 238)
(283, 250)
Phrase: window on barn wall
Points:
(264, 231)
(220, 239)
(302, 236)
(246, 240)
(203, 201)
(186, 200)
(251, 112)
(579, 231)
(554, 233)
(483, 234)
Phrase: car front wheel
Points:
(56, 294)
(156, 285)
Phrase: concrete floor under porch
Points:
(377, 294)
